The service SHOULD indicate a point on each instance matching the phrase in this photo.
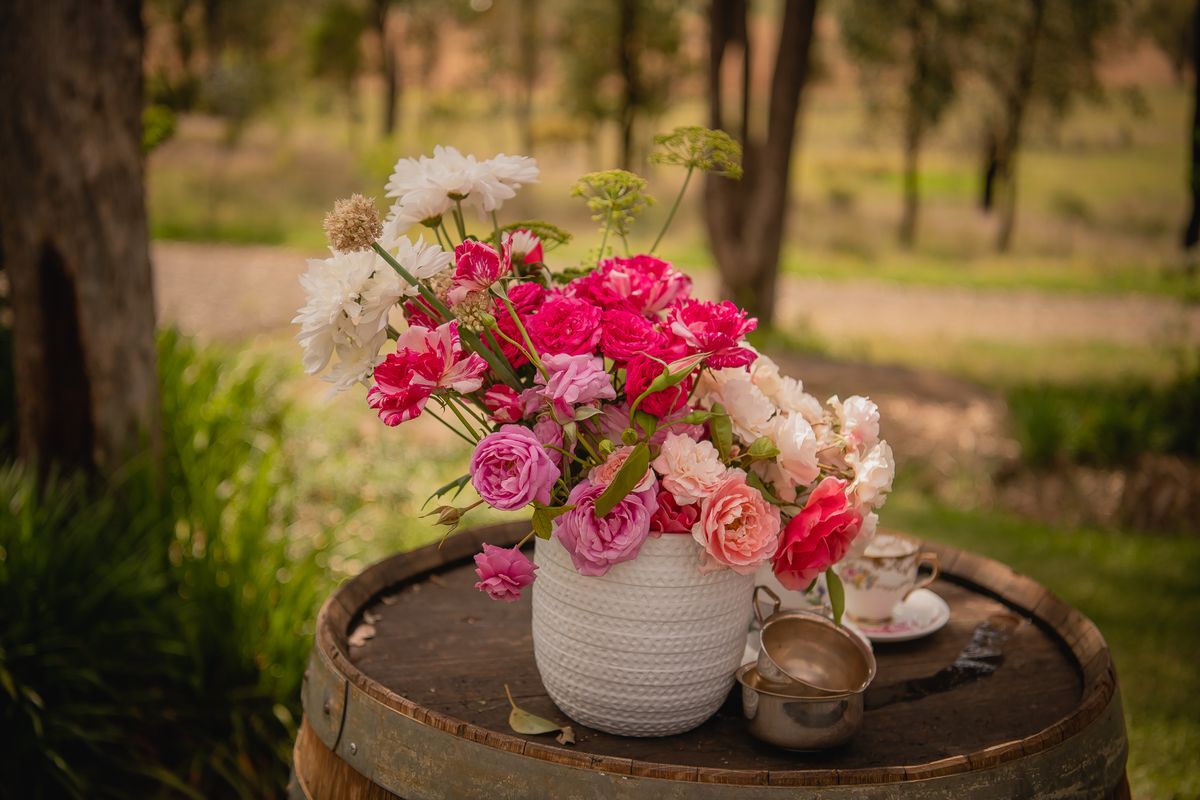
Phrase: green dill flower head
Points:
(616, 197)
(699, 148)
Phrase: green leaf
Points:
(837, 595)
(764, 490)
(586, 412)
(544, 516)
(762, 448)
(721, 428)
(646, 421)
(626, 478)
(522, 721)
(458, 483)
(697, 417)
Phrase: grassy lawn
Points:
(1142, 591)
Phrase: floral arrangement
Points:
(605, 400)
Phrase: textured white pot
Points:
(648, 649)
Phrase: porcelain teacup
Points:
(884, 576)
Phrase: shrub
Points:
(154, 631)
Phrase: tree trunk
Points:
(389, 66)
(991, 167)
(1191, 234)
(527, 55)
(745, 219)
(1015, 105)
(73, 231)
(913, 130)
(627, 62)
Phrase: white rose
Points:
(866, 533)
(689, 469)
(873, 474)
(786, 393)
(859, 418)
(796, 465)
(749, 409)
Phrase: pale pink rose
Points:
(672, 517)
(785, 392)
(749, 409)
(550, 434)
(818, 537)
(737, 527)
(503, 572)
(689, 468)
(603, 474)
(572, 381)
(859, 419)
(597, 543)
(873, 474)
(510, 469)
(796, 465)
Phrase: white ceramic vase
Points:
(650, 648)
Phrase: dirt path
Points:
(229, 292)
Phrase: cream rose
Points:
(689, 469)
(785, 392)
(873, 474)
(859, 420)
(796, 465)
(749, 409)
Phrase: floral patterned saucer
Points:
(920, 615)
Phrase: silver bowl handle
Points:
(758, 615)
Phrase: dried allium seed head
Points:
(474, 311)
(440, 284)
(353, 224)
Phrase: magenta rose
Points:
(572, 381)
(715, 328)
(672, 517)
(503, 402)
(596, 543)
(738, 528)
(526, 297)
(818, 537)
(640, 373)
(624, 335)
(565, 325)
(643, 285)
(510, 469)
(503, 572)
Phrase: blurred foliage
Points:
(153, 633)
(158, 125)
(1108, 424)
(333, 44)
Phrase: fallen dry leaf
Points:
(362, 634)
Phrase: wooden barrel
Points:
(1030, 708)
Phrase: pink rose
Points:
(603, 474)
(643, 285)
(640, 373)
(477, 267)
(625, 334)
(596, 543)
(511, 469)
(503, 572)
(503, 402)
(572, 381)
(737, 527)
(689, 468)
(614, 419)
(818, 537)
(426, 360)
(565, 325)
(716, 328)
(672, 517)
(550, 434)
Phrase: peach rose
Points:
(603, 474)
(689, 468)
(737, 527)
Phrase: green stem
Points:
(453, 406)
(460, 221)
(496, 228)
(532, 358)
(453, 429)
(449, 241)
(533, 355)
(607, 225)
(425, 291)
(674, 208)
(572, 456)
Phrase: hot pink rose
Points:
(716, 328)
(643, 285)
(527, 297)
(737, 527)
(477, 267)
(565, 325)
(672, 517)
(640, 373)
(511, 469)
(603, 474)
(503, 402)
(425, 361)
(624, 334)
(503, 572)
(818, 537)
(572, 381)
(596, 543)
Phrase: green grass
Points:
(1144, 594)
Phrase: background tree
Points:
(389, 64)
(922, 38)
(335, 54)
(74, 233)
(1032, 54)
(745, 218)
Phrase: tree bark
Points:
(1191, 233)
(73, 233)
(745, 219)
(914, 129)
(389, 66)
(627, 62)
(991, 168)
(1017, 100)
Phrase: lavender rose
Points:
(595, 544)
(510, 469)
